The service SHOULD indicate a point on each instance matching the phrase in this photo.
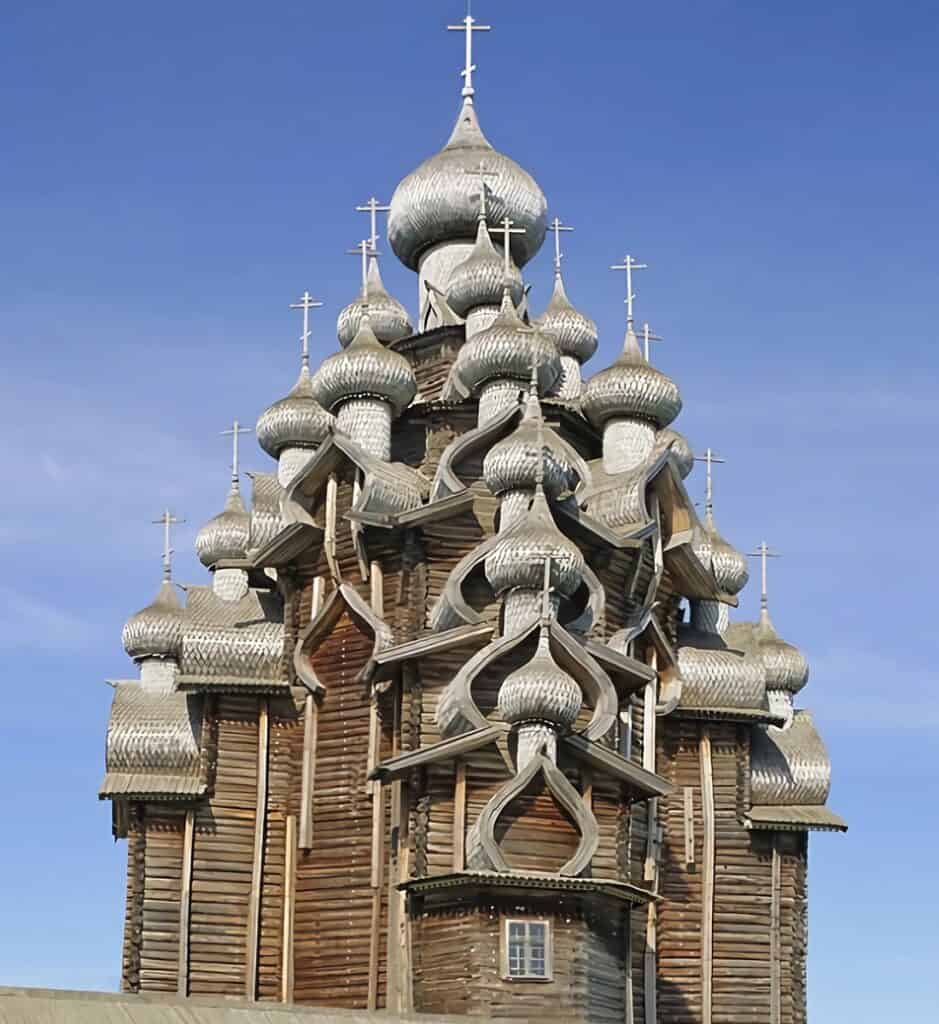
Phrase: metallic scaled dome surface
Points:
(157, 630)
(728, 565)
(480, 279)
(388, 318)
(297, 421)
(366, 369)
(631, 388)
(540, 691)
(574, 334)
(678, 445)
(226, 535)
(785, 665)
(435, 203)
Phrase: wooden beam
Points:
(185, 906)
(628, 995)
(329, 539)
(775, 944)
(378, 833)
(257, 869)
(290, 889)
(707, 880)
(308, 770)
(459, 817)
(688, 809)
(649, 963)
(650, 868)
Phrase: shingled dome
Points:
(540, 691)
(227, 534)
(480, 279)
(574, 334)
(388, 318)
(156, 631)
(295, 421)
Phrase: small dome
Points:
(727, 563)
(702, 545)
(540, 691)
(435, 203)
(678, 445)
(366, 369)
(631, 388)
(226, 535)
(388, 318)
(157, 630)
(480, 279)
(297, 421)
(517, 560)
(786, 666)
(574, 334)
(515, 462)
(507, 349)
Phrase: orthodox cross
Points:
(763, 553)
(236, 430)
(507, 231)
(482, 174)
(306, 303)
(710, 459)
(365, 250)
(647, 336)
(557, 227)
(373, 208)
(166, 521)
(469, 26)
(629, 265)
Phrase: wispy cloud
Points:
(29, 623)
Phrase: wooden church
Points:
(461, 723)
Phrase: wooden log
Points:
(459, 817)
(308, 770)
(185, 905)
(290, 889)
(774, 938)
(254, 900)
(707, 905)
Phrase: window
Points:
(527, 949)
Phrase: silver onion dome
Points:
(785, 665)
(365, 369)
(226, 535)
(540, 691)
(297, 421)
(518, 558)
(157, 630)
(574, 334)
(517, 461)
(433, 203)
(507, 349)
(728, 565)
(480, 279)
(389, 319)
(678, 445)
(631, 388)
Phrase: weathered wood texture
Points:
(163, 868)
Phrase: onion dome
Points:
(366, 369)
(631, 388)
(507, 349)
(702, 545)
(785, 665)
(297, 421)
(540, 691)
(389, 319)
(678, 445)
(481, 278)
(728, 565)
(517, 461)
(226, 535)
(574, 334)
(157, 630)
(433, 203)
(518, 558)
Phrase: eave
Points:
(642, 784)
(384, 664)
(445, 750)
(794, 818)
(476, 881)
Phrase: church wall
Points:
(163, 860)
(133, 904)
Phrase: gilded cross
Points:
(469, 26)
(763, 553)
(373, 208)
(306, 303)
(710, 459)
(166, 521)
(557, 227)
(629, 265)
(236, 430)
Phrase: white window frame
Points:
(527, 922)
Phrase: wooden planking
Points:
(162, 889)
(133, 912)
(257, 855)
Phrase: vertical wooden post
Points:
(775, 968)
(459, 817)
(290, 890)
(707, 880)
(688, 808)
(308, 770)
(650, 868)
(329, 534)
(185, 906)
(378, 806)
(257, 870)
(630, 1012)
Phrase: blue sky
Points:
(173, 176)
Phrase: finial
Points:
(365, 251)
(482, 174)
(629, 265)
(236, 430)
(507, 231)
(648, 336)
(373, 208)
(557, 227)
(763, 553)
(709, 458)
(166, 521)
(306, 303)
(468, 26)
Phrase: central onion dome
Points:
(226, 535)
(540, 691)
(434, 204)
(518, 558)
(480, 279)
(574, 334)
(631, 388)
(297, 421)
(506, 350)
(388, 318)
(785, 665)
(366, 369)
(157, 630)
(678, 445)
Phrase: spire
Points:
(306, 303)
(629, 265)
(763, 553)
(366, 253)
(557, 227)
(234, 432)
(469, 26)
(167, 520)
(373, 208)
(710, 459)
